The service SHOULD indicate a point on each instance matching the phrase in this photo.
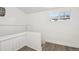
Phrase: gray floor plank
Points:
(51, 47)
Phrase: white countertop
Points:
(10, 36)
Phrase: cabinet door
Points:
(13, 44)
(7, 45)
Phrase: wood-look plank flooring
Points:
(57, 47)
(51, 47)
(26, 48)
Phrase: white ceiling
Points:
(33, 9)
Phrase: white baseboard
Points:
(65, 43)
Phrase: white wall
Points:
(13, 17)
(60, 32)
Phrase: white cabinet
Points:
(34, 40)
(15, 42)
